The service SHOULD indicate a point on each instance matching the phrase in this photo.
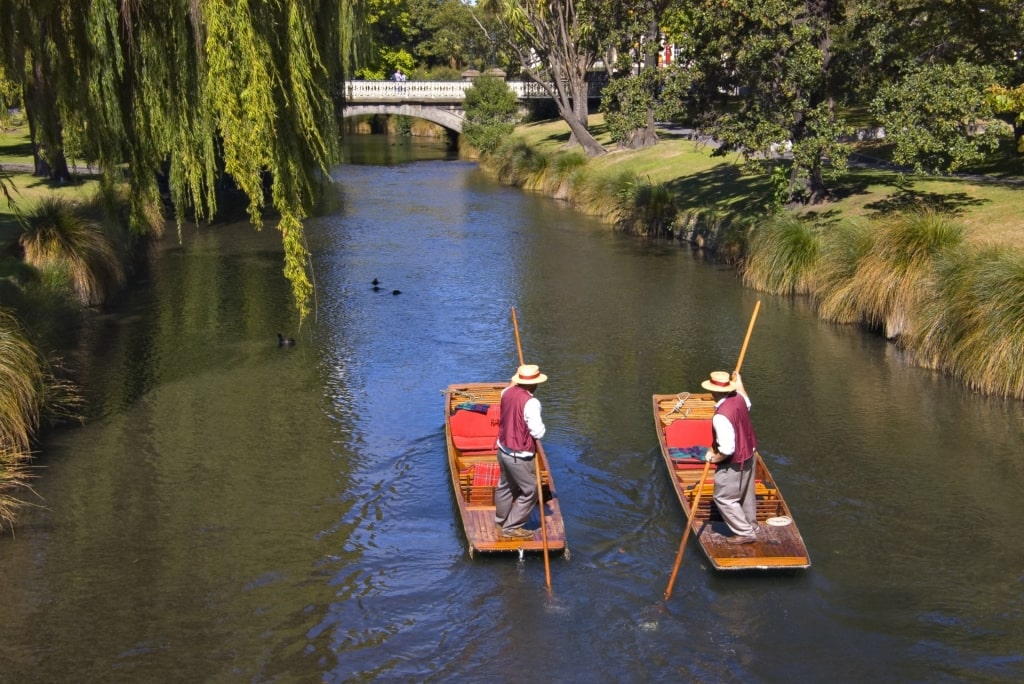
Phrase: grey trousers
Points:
(516, 492)
(734, 496)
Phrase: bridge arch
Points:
(449, 117)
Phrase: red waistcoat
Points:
(734, 408)
(513, 432)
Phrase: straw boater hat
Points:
(720, 381)
(529, 374)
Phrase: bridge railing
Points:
(428, 90)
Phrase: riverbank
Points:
(932, 263)
(65, 249)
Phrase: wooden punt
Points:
(471, 431)
(683, 423)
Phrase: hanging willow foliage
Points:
(192, 90)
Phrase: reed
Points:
(842, 248)
(783, 253)
(64, 243)
(975, 327)
(897, 274)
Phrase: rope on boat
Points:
(464, 394)
(679, 404)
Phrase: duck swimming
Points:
(283, 341)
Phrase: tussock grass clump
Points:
(842, 248)
(563, 170)
(976, 325)
(647, 208)
(61, 241)
(783, 255)
(897, 275)
(22, 378)
(603, 194)
(516, 163)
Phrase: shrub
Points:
(491, 112)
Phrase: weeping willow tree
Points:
(191, 90)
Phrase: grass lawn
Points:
(25, 189)
(992, 211)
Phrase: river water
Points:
(232, 511)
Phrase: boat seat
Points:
(683, 435)
(478, 482)
(473, 430)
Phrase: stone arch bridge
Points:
(438, 101)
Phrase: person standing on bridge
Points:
(399, 77)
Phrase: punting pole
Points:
(536, 467)
(704, 473)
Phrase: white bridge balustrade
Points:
(431, 91)
(437, 101)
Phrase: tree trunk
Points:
(644, 137)
(45, 128)
(568, 97)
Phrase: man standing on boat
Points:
(733, 450)
(520, 428)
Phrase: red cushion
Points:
(688, 432)
(473, 431)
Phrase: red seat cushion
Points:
(474, 431)
(686, 432)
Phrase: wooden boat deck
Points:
(474, 487)
(777, 546)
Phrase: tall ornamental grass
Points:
(975, 327)
(782, 255)
(67, 246)
(21, 386)
(603, 194)
(842, 249)
(897, 275)
(647, 208)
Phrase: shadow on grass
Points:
(723, 187)
(17, 149)
(907, 199)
